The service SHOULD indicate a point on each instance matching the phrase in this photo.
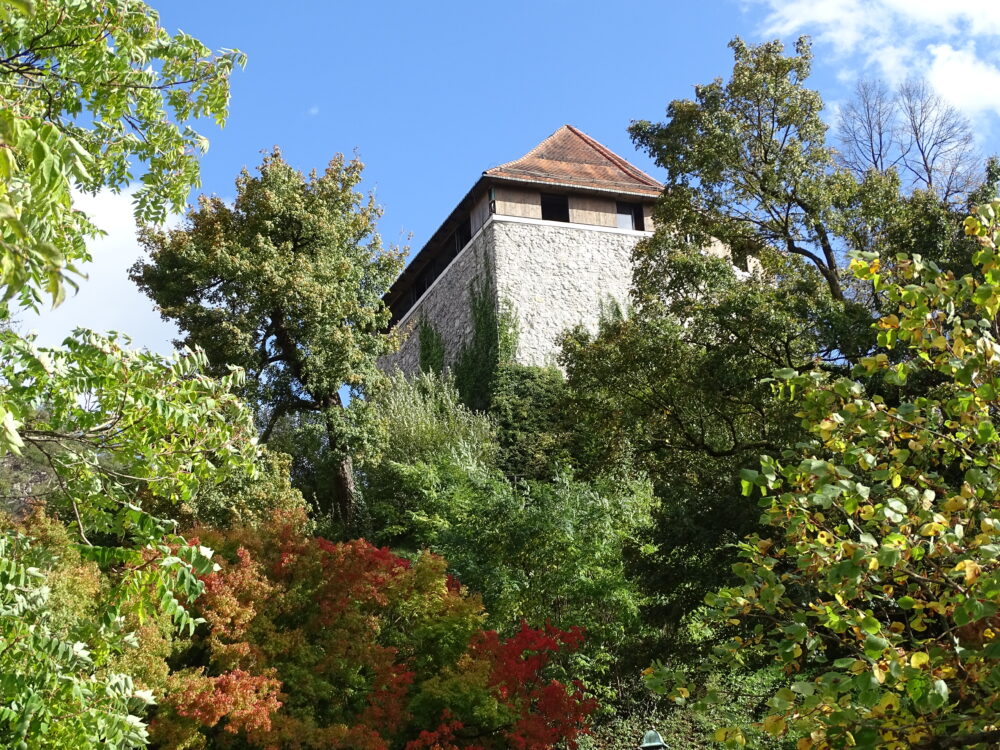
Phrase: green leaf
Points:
(870, 625)
(874, 646)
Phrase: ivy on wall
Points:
(493, 343)
(431, 347)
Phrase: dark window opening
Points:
(435, 265)
(555, 207)
(463, 234)
(630, 216)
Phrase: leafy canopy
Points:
(877, 587)
(286, 283)
(89, 91)
(747, 162)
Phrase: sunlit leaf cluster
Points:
(90, 92)
(878, 589)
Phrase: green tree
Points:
(286, 283)
(528, 405)
(876, 586)
(91, 91)
(674, 392)
(748, 165)
(539, 551)
(743, 276)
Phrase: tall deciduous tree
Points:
(675, 392)
(749, 165)
(747, 162)
(286, 283)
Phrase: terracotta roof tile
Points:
(572, 158)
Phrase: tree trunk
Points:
(344, 496)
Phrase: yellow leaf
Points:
(940, 342)
(730, 734)
(919, 659)
(972, 571)
(970, 568)
(804, 743)
(889, 702)
(775, 725)
(955, 503)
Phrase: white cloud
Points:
(954, 43)
(965, 80)
(313, 111)
(837, 22)
(107, 300)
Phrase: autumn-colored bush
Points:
(313, 644)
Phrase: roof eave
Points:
(404, 279)
(653, 192)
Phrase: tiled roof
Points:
(569, 157)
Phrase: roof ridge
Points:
(622, 163)
(589, 155)
(548, 138)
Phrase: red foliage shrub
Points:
(546, 712)
(368, 650)
(247, 701)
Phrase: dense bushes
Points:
(541, 551)
(315, 644)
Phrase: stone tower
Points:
(548, 237)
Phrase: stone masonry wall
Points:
(556, 276)
(446, 306)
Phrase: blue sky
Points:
(430, 94)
